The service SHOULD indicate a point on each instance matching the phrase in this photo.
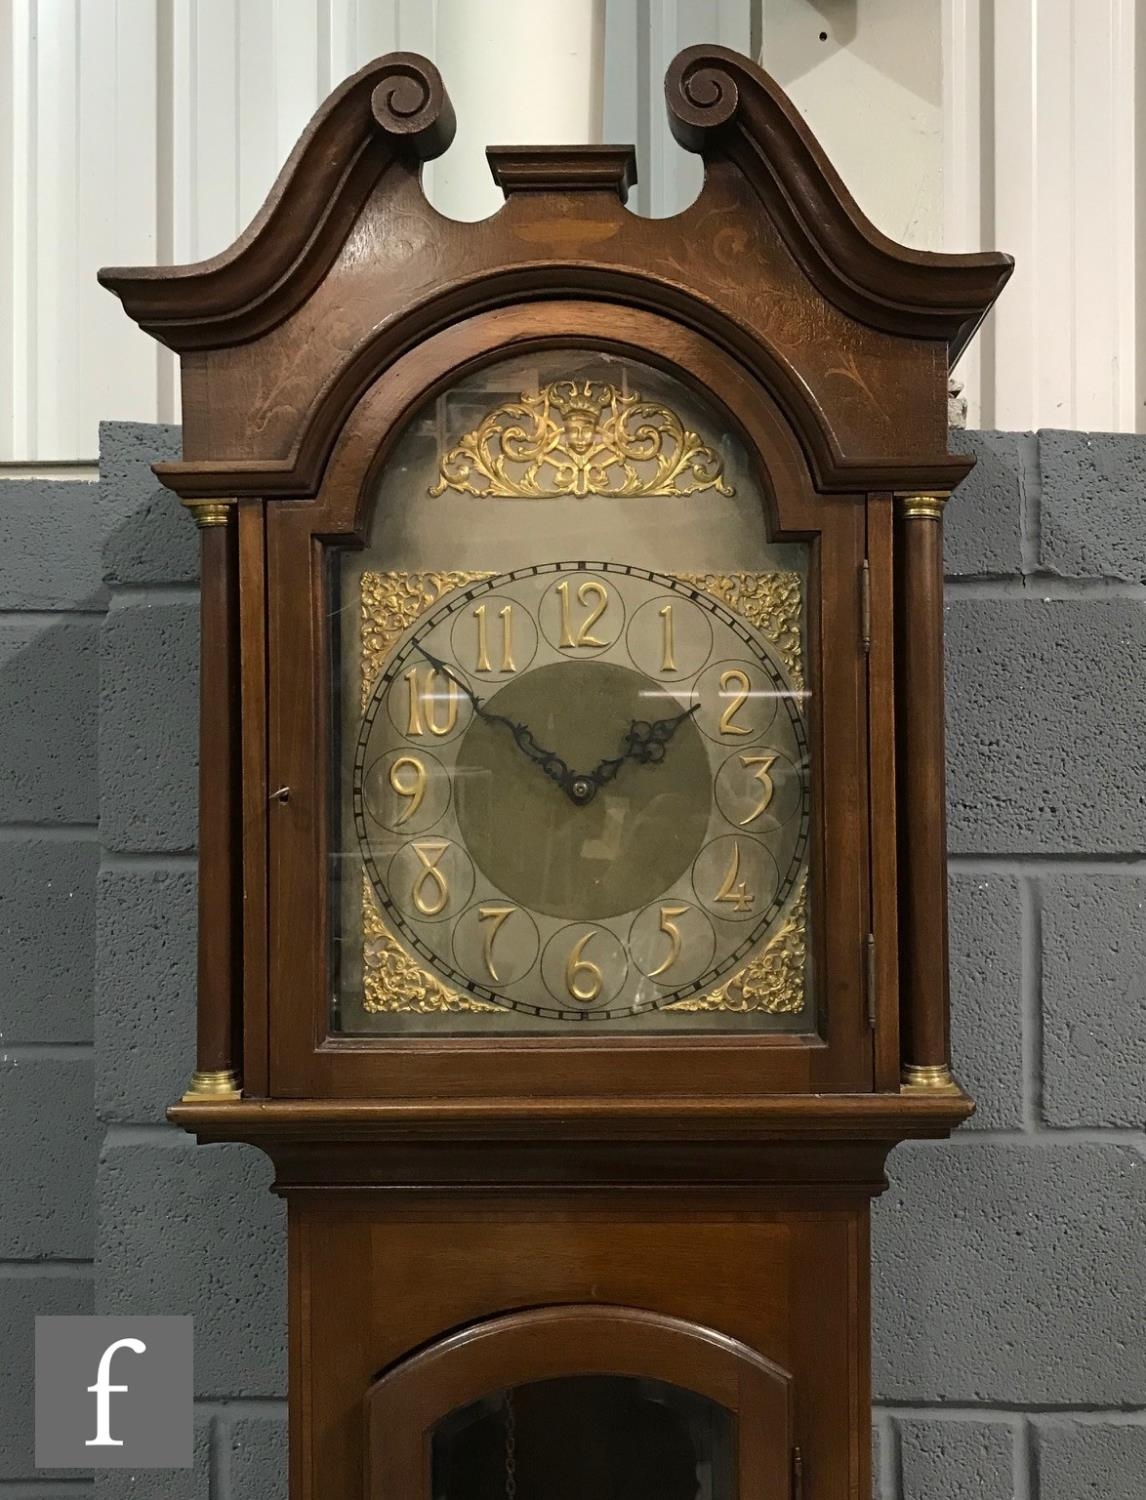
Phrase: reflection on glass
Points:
(571, 721)
(585, 1437)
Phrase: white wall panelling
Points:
(964, 226)
(547, 65)
(1059, 136)
(641, 39)
(150, 130)
(868, 78)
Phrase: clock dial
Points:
(582, 790)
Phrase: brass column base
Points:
(213, 1088)
(935, 1078)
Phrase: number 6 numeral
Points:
(583, 979)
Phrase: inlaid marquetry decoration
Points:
(771, 602)
(578, 438)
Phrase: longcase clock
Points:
(572, 894)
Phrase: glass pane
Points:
(607, 1437)
(571, 721)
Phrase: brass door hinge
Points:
(869, 977)
(865, 606)
(797, 1474)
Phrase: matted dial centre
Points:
(611, 850)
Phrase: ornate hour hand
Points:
(645, 743)
(551, 764)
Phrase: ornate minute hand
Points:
(645, 743)
(552, 765)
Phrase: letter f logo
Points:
(103, 1389)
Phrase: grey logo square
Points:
(114, 1393)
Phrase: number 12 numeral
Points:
(589, 590)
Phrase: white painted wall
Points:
(546, 87)
(135, 131)
(869, 79)
(1062, 165)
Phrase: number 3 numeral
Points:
(762, 774)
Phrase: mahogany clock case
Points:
(481, 1220)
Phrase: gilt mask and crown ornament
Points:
(579, 438)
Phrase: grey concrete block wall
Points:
(1093, 955)
(1089, 1459)
(47, 886)
(149, 693)
(48, 685)
(27, 1293)
(183, 1230)
(1091, 510)
(180, 1229)
(1010, 1345)
(965, 1460)
(1009, 1353)
(145, 982)
(51, 602)
(147, 540)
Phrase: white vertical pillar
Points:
(964, 226)
(118, 153)
(1059, 140)
(523, 71)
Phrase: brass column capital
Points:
(210, 512)
(922, 507)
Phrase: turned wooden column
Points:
(925, 987)
(216, 1073)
